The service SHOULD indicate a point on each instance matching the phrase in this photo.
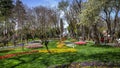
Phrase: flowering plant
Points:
(17, 54)
(34, 46)
(59, 50)
(60, 44)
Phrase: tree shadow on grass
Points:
(23, 60)
(5, 51)
(110, 58)
(102, 46)
(70, 58)
(107, 59)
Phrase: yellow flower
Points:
(58, 50)
(60, 44)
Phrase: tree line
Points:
(85, 18)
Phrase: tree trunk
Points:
(114, 27)
(95, 33)
(83, 32)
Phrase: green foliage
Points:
(87, 14)
(90, 14)
(9, 63)
(5, 7)
(63, 5)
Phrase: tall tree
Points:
(110, 8)
(6, 7)
(95, 11)
(19, 16)
(90, 16)
(62, 6)
(73, 18)
(46, 19)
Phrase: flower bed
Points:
(36, 51)
(59, 50)
(34, 46)
(60, 44)
(17, 54)
(80, 43)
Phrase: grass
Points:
(84, 53)
(19, 49)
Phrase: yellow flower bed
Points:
(60, 44)
(58, 50)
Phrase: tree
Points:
(6, 7)
(61, 28)
(90, 16)
(45, 20)
(19, 16)
(110, 8)
(72, 18)
(63, 5)
(95, 11)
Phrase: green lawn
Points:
(19, 49)
(84, 53)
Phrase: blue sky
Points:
(34, 3)
(48, 3)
